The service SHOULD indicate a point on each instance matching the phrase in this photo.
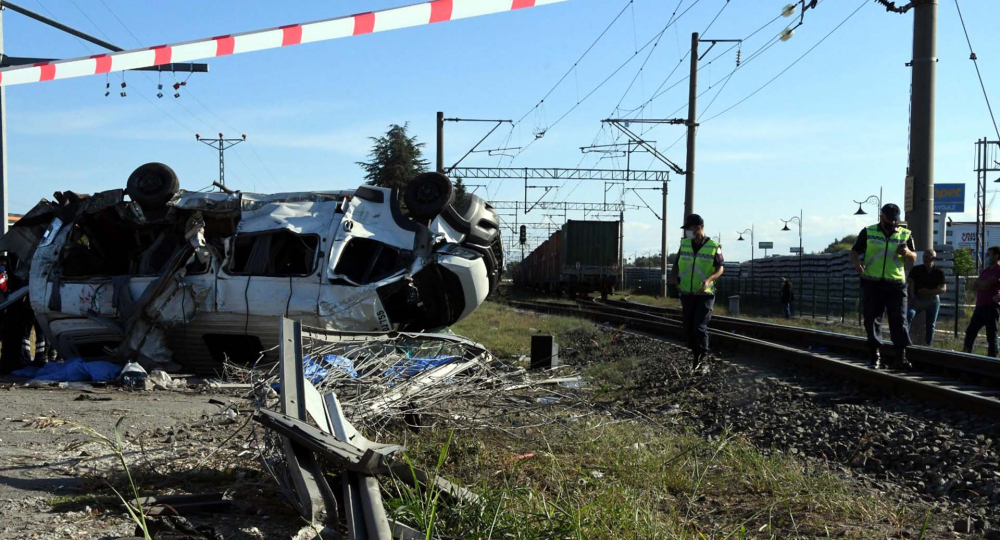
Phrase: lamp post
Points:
(878, 201)
(740, 239)
(796, 219)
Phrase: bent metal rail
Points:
(844, 355)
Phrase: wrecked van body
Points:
(178, 279)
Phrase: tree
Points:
(460, 193)
(844, 244)
(965, 265)
(395, 159)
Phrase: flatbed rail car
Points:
(580, 258)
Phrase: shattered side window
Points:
(276, 254)
(366, 261)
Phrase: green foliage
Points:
(461, 193)
(965, 264)
(507, 332)
(395, 159)
(841, 245)
(651, 261)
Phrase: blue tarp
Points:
(316, 370)
(75, 370)
(414, 366)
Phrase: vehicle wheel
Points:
(428, 194)
(152, 185)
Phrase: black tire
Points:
(152, 185)
(428, 194)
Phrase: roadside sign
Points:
(949, 197)
(795, 249)
(765, 245)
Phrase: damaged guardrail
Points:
(337, 441)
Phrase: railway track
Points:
(967, 381)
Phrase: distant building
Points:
(962, 234)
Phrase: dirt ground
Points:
(51, 488)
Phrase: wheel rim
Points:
(428, 192)
(150, 183)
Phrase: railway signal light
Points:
(523, 237)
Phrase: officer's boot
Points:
(901, 362)
(875, 359)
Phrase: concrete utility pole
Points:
(924, 65)
(440, 142)
(3, 141)
(692, 126)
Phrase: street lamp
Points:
(740, 239)
(796, 219)
(878, 201)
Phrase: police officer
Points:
(886, 247)
(699, 264)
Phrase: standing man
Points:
(699, 264)
(987, 311)
(926, 286)
(886, 247)
(787, 296)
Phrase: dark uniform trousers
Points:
(697, 312)
(887, 297)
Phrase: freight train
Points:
(580, 258)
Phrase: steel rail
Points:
(970, 363)
(943, 391)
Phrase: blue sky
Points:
(831, 129)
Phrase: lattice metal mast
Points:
(221, 144)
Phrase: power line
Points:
(188, 92)
(725, 80)
(606, 79)
(790, 66)
(123, 25)
(573, 67)
(975, 62)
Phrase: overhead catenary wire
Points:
(790, 66)
(635, 113)
(604, 81)
(578, 60)
(975, 62)
(84, 44)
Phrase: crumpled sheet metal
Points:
(301, 217)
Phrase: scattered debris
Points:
(88, 397)
(162, 381)
(334, 385)
(133, 376)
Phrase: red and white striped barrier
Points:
(431, 12)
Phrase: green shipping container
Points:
(592, 244)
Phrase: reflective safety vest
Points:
(693, 267)
(881, 260)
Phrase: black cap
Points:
(891, 211)
(693, 220)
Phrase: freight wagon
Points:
(580, 258)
